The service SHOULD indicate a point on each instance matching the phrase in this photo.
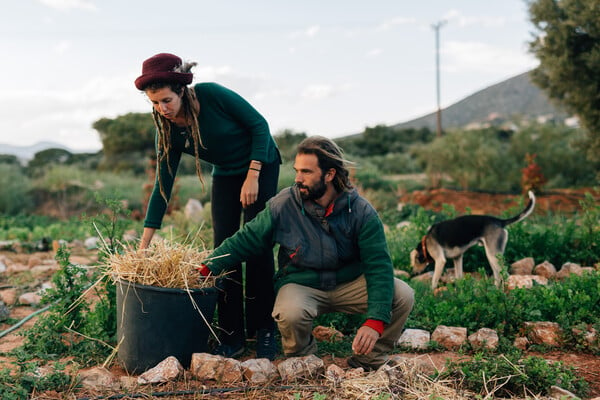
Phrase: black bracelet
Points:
(254, 169)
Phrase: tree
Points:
(567, 44)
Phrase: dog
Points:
(450, 239)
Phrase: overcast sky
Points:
(328, 67)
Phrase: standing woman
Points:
(215, 124)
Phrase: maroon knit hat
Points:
(161, 68)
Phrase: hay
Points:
(163, 264)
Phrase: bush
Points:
(15, 186)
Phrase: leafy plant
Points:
(20, 384)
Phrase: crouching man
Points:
(333, 257)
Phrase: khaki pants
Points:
(296, 307)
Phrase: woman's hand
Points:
(249, 192)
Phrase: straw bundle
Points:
(163, 264)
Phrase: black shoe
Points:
(266, 345)
(354, 363)
(229, 350)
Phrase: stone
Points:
(300, 367)
(30, 298)
(427, 277)
(567, 269)
(194, 211)
(9, 296)
(415, 339)
(231, 372)
(206, 366)
(544, 332)
(98, 378)
(335, 374)
(449, 337)
(521, 343)
(545, 269)
(484, 338)
(524, 281)
(167, 370)
(4, 312)
(259, 370)
(556, 392)
(522, 267)
(327, 334)
(92, 243)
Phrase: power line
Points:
(437, 27)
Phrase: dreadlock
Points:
(163, 125)
(329, 155)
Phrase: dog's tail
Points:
(528, 210)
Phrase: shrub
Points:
(15, 186)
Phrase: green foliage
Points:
(509, 375)
(569, 302)
(20, 384)
(15, 186)
(567, 44)
(287, 140)
(381, 140)
(71, 326)
(31, 228)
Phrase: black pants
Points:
(260, 294)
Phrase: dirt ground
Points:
(567, 201)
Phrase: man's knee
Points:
(404, 295)
(291, 314)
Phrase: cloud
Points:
(374, 52)
(459, 56)
(70, 4)
(309, 32)
(456, 17)
(391, 23)
(316, 92)
(62, 47)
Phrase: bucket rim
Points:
(125, 282)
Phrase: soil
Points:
(564, 201)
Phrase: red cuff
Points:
(375, 324)
(203, 269)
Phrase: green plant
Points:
(509, 375)
(23, 382)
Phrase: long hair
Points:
(163, 125)
(329, 155)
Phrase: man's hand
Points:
(365, 340)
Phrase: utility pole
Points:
(437, 27)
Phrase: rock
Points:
(16, 268)
(9, 296)
(3, 267)
(568, 269)
(524, 281)
(545, 269)
(43, 270)
(556, 392)
(327, 334)
(30, 298)
(589, 336)
(335, 374)
(546, 333)
(521, 343)
(33, 261)
(92, 243)
(206, 366)
(4, 312)
(194, 211)
(300, 367)
(98, 378)
(449, 337)
(484, 338)
(415, 339)
(259, 370)
(167, 370)
(354, 373)
(81, 260)
(214, 367)
(427, 277)
(522, 267)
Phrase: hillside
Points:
(516, 97)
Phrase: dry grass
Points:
(163, 264)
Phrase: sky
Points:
(322, 67)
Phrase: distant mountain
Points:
(27, 152)
(515, 98)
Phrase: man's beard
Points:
(315, 192)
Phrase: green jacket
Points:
(316, 250)
(233, 133)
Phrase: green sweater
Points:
(352, 244)
(233, 133)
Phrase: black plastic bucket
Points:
(154, 323)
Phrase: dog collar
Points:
(424, 250)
